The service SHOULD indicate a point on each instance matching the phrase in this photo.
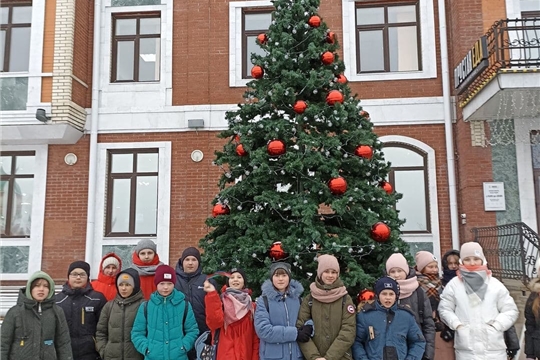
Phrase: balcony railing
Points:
(513, 45)
(511, 250)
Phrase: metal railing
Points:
(511, 44)
(511, 250)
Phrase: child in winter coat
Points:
(478, 307)
(165, 326)
(36, 328)
(110, 265)
(82, 307)
(385, 330)
(146, 261)
(332, 311)
(532, 318)
(444, 344)
(230, 318)
(276, 313)
(411, 295)
(113, 335)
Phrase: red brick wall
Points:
(82, 52)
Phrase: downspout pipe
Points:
(92, 176)
(448, 132)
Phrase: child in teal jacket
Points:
(161, 330)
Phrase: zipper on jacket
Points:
(123, 327)
(288, 323)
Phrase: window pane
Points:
(24, 165)
(260, 21)
(4, 193)
(14, 259)
(150, 26)
(5, 163)
(147, 162)
(371, 50)
(20, 49)
(420, 246)
(22, 207)
(124, 60)
(2, 47)
(368, 16)
(146, 205)
(4, 15)
(22, 15)
(149, 59)
(122, 163)
(121, 191)
(126, 26)
(399, 156)
(252, 47)
(529, 5)
(403, 48)
(412, 206)
(398, 14)
(14, 93)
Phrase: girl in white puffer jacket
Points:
(478, 307)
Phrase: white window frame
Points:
(163, 197)
(235, 39)
(427, 43)
(434, 236)
(35, 241)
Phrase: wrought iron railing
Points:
(512, 45)
(511, 250)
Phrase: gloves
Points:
(439, 326)
(511, 353)
(447, 335)
(304, 333)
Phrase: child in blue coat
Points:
(276, 314)
(386, 331)
(162, 329)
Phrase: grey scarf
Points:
(475, 284)
(147, 270)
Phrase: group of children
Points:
(415, 313)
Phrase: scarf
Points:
(407, 287)
(236, 305)
(475, 279)
(327, 293)
(431, 284)
(145, 269)
(448, 275)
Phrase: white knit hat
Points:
(472, 249)
(111, 260)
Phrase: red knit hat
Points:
(164, 273)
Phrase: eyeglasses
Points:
(78, 275)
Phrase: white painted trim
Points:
(235, 39)
(427, 36)
(522, 128)
(434, 237)
(36, 54)
(35, 242)
(164, 199)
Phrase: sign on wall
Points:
(494, 199)
(472, 65)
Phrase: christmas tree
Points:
(303, 171)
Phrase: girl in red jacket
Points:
(111, 264)
(145, 261)
(230, 318)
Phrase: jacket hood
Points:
(180, 271)
(136, 280)
(39, 275)
(294, 290)
(104, 278)
(444, 260)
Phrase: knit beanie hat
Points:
(145, 244)
(79, 264)
(472, 249)
(241, 272)
(190, 251)
(423, 258)
(164, 273)
(39, 275)
(280, 265)
(111, 260)
(327, 262)
(125, 278)
(130, 276)
(386, 283)
(397, 260)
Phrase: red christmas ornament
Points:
(380, 232)
(276, 251)
(300, 106)
(314, 21)
(333, 97)
(365, 114)
(220, 209)
(327, 58)
(276, 148)
(341, 79)
(257, 72)
(338, 186)
(236, 138)
(262, 38)
(387, 187)
(364, 151)
(330, 37)
(240, 150)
